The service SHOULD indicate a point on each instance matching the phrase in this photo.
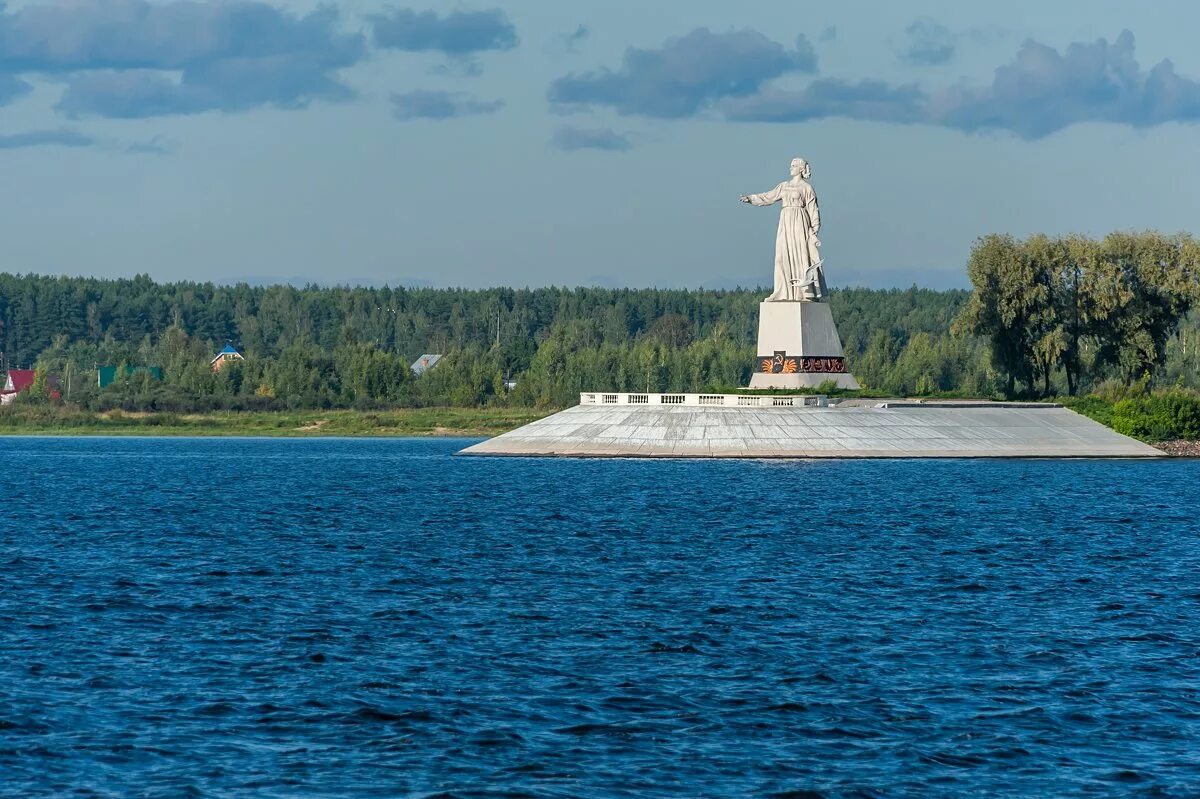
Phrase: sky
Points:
(592, 142)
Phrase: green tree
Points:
(1140, 286)
(1006, 300)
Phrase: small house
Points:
(424, 364)
(225, 356)
(17, 381)
(107, 375)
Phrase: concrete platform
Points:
(679, 428)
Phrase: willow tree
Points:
(1041, 303)
(1048, 264)
(1139, 286)
(1008, 303)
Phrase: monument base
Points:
(799, 347)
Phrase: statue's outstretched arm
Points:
(766, 198)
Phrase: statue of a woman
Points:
(798, 273)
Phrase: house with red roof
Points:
(17, 381)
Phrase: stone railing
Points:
(716, 400)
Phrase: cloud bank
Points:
(571, 138)
(132, 58)
(871, 100)
(440, 105)
(685, 76)
(1040, 92)
(1043, 91)
(459, 33)
(929, 43)
(42, 138)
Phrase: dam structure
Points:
(632, 425)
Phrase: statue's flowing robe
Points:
(796, 256)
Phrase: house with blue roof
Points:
(225, 356)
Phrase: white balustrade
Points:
(708, 400)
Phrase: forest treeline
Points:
(1124, 316)
(352, 347)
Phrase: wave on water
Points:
(376, 618)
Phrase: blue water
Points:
(265, 618)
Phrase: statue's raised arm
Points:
(798, 273)
(766, 198)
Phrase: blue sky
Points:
(582, 143)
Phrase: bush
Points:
(1161, 416)
(1093, 407)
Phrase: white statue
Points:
(798, 273)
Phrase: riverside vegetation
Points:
(1108, 323)
(48, 419)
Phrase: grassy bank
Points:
(16, 420)
(1158, 416)
(1151, 416)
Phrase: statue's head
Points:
(800, 168)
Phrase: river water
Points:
(278, 618)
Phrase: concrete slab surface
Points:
(884, 430)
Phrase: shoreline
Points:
(486, 422)
(234, 434)
(1180, 448)
(391, 423)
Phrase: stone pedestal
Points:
(798, 347)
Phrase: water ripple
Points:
(262, 618)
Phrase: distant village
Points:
(17, 381)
